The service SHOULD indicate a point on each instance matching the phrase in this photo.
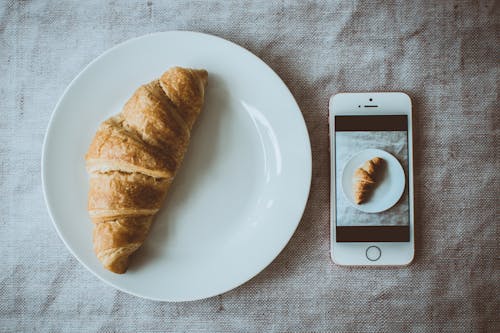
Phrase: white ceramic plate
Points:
(389, 190)
(242, 188)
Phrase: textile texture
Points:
(444, 54)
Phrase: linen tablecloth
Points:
(442, 53)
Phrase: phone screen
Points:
(353, 136)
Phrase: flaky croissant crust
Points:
(365, 179)
(133, 159)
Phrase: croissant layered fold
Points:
(133, 159)
(365, 179)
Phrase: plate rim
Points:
(56, 111)
(359, 153)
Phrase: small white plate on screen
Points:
(240, 192)
(388, 191)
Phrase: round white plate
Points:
(240, 192)
(388, 191)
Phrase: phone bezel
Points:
(387, 103)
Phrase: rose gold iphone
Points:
(371, 179)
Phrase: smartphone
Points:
(371, 220)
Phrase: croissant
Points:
(366, 179)
(133, 159)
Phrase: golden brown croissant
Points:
(133, 159)
(366, 179)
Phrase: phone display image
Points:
(371, 168)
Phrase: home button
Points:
(373, 253)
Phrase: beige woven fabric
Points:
(442, 53)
